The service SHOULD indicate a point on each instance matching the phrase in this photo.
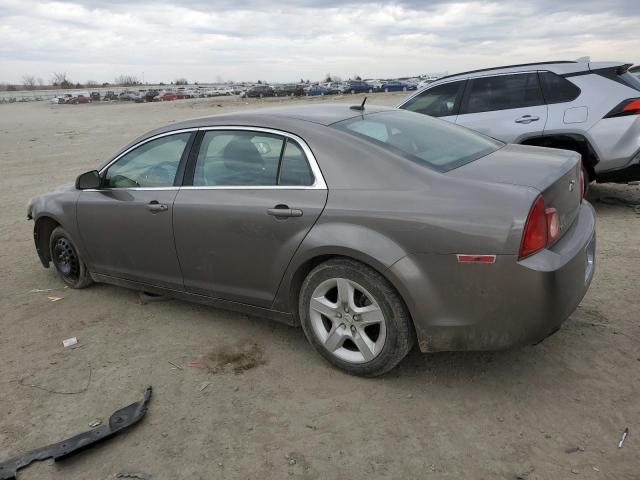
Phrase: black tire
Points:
(400, 334)
(67, 262)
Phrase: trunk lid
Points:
(552, 172)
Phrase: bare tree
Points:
(59, 79)
(181, 81)
(126, 80)
(29, 82)
(40, 82)
(328, 78)
(91, 83)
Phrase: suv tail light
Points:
(541, 229)
(630, 106)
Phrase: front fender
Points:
(50, 210)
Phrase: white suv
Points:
(591, 108)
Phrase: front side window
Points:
(420, 138)
(153, 164)
(235, 158)
(502, 92)
(439, 101)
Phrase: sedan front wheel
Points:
(66, 260)
(354, 317)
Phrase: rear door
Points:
(250, 197)
(442, 101)
(126, 225)
(509, 107)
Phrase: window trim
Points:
(465, 96)
(192, 148)
(318, 180)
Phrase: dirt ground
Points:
(250, 399)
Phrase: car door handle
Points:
(155, 207)
(283, 211)
(527, 119)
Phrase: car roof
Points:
(280, 118)
(325, 114)
(561, 67)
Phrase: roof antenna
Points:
(359, 107)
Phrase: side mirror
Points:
(88, 180)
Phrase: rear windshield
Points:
(423, 139)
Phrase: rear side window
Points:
(439, 101)
(557, 89)
(239, 158)
(420, 138)
(502, 92)
(294, 168)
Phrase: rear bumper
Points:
(469, 306)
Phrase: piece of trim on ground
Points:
(119, 420)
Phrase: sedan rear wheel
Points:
(66, 260)
(354, 317)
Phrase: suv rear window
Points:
(557, 89)
(502, 92)
(421, 138)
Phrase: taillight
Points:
(534, 237)
(553, 225)
(630, 106)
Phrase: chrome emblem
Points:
(572, 185)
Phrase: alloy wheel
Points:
(347, 320)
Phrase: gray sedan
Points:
(372, 228)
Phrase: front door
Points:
(254, 197)
(126, 225)
(507, 107)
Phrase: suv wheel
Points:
(354, 318)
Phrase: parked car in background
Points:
(110, 95)
(149, 95)
(315, 90)
(356, 86)
(451, 247)
(333, 87)
(80, 98)
(288, 90)
(592, 108)
(167, 96)
(129, 96)
(397, 86)
(260, 91)
(95, 96)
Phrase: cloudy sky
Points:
(289, 39)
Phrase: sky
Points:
(248, 40)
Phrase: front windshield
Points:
(426, 140)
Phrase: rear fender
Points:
(331, 240)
